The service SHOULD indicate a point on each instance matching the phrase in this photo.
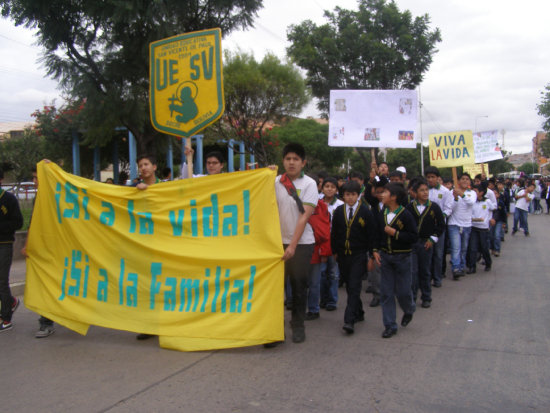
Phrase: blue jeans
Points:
(437, 258)
(499, 230)
(459, 238)
(421, 271)
(314, 288)
(520, 216)
(329, 282)
(395, 282)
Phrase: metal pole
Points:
(97, 161)
(421, 138)
(76, 154)
(230, 155)
(132, 150)
(170, 157)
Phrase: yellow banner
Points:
(196, 261)
(476, 169)
(452, 149)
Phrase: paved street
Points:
(483, 346)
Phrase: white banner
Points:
(486, 146)
(373, 118)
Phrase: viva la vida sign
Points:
(186, 82)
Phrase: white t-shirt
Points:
(462, 209)
(523, 203)
(288, 210)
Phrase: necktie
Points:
(350, 214)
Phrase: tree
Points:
(376, 47)
(500, 165)
(529, 168)
(256, 95)
(98, 50)
(314, 137)
(21, 154)
(544, 110)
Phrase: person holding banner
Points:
(297, 198)
(460, 224)
(10, 221)
(440, 195)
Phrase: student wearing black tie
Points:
(352, 237)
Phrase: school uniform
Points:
(444, 199)
(395, 253)
(482, 212)
(430, 225)
(352, 238)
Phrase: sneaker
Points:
(143, 336)
(6, 325)
(44, 331)
(330, 307)
(312, 316)
(496, 254)
(526, 234)
(15, 304)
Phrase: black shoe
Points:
(526, 234)
(288, 305)
(330, 307)
(144, 336)
(312, 316)
(388, 332)
(273, 344)
(406, 319)
(471, 270)
(323, 304)
(375, 302)
(298, 335)
(436, 284)
(456, 275)
(360, 317)
(488, 268)
(426, 304)
(514, 231)
(348, 328)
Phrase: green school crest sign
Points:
(186, 82)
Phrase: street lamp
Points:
(478, 117)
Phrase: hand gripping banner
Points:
(196, 261)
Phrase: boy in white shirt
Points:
(523, 199)
(297, 198)
(460, 224)
(482, 218)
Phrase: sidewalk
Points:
(18, 274)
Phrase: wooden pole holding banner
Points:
(373, 164)
(455, 177)
(189, 157)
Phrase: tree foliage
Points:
(529, 168)
(20, 154)
(313, 136)
(376, 47)
(256, 95)
(98, 50)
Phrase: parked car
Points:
(25, 190)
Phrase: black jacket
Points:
(10, 217)
(355, 236)
(405, 236)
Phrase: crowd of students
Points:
(392, 232)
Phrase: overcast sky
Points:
(489, 71)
